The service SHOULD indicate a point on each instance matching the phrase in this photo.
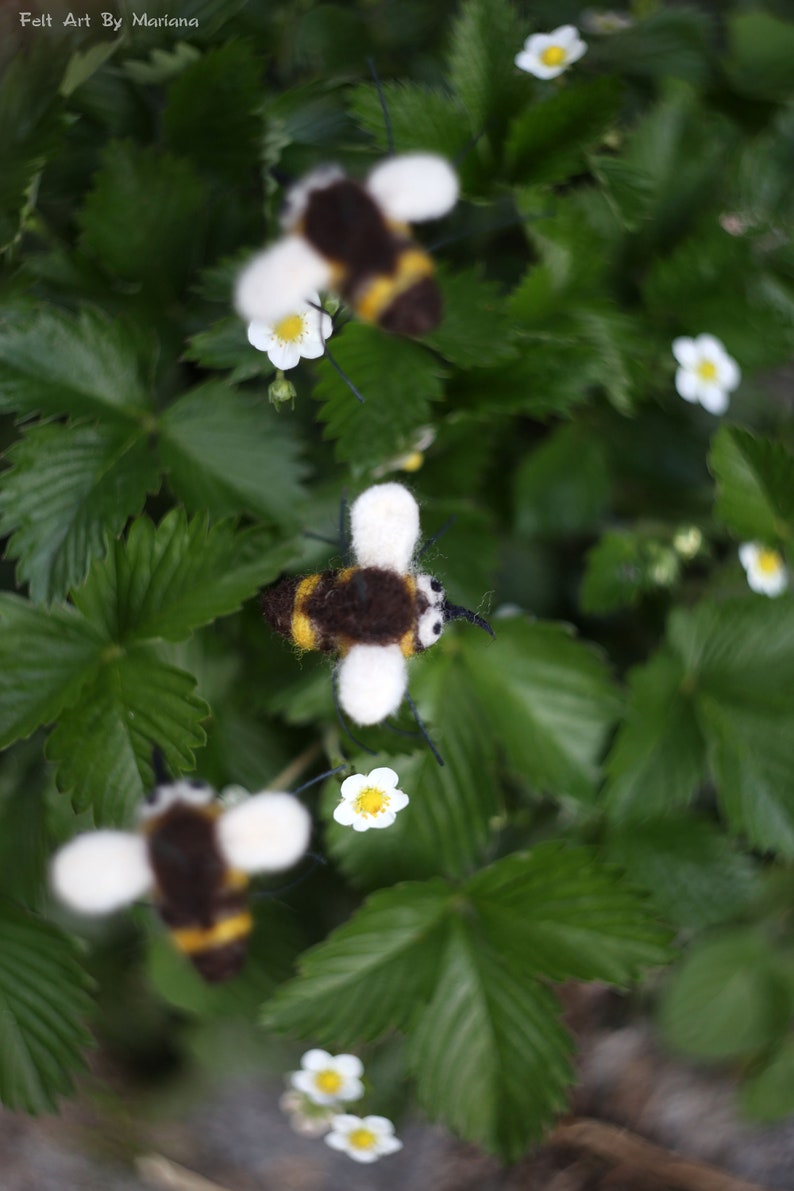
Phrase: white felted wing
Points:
(279, 281)
(101, 871)
(414, 187)
(266, 832)
(384, 522)
(372, 681)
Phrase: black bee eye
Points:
(195, 784)
(152, 797)
(435, 586)
(437, 627)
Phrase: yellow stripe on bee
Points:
(412, 266)
(301, 627)
(235, 880)
(194, 939)
(408, 639)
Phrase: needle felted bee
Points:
(355, 239)
(373, 615)
(196, 857)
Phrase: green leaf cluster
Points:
(461, 970)
(627, 728)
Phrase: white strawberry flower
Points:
(364, 1139)
(299, 335)
(547, 55)
(765, 569)
(370, 801)
(706, 373)
(329, 1079)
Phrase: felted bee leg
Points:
(438, 534)
(341, 373)
(340, 717)
(317, 861)
(320, 778)
(423, 729)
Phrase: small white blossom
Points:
(305, 1117)
(707, 374)
(297, 336)
(365, 1139)
(547, 55)
(595, 20)
(766, 572)
(329, 1079)
(370, 801)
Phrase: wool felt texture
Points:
(265, 833)
(101, 871)
(412, 187)
(278, 281)
(384, 522)
(372, 682)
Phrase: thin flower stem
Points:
(283, 780)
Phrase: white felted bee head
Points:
(430, 624)
(189, 791)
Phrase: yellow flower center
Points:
(553, 55)
(371, 801)
(362, 1139)
(706, 370)
(413, 461)
(289, 329)
(328, 1082)
(769, 562)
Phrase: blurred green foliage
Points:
(619, 758)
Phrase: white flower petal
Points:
(284, 355)
(576, 51)
(384, 819)
(316, 1060)
(686, 351)
(710, 347)
(389, 1145)
(336, 1141)
(260, 335)
(383, 778)
(714, 399)
(564, 36)
(730, 374)
(361, 824)
(687, 385)
(536, 43)
(304, 1081)
(748, 554)
(378, 1124)
(345, 814)
(349, 1065)
(362, 1155)
(398, 801)
(345, 1121)
(352, 786)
